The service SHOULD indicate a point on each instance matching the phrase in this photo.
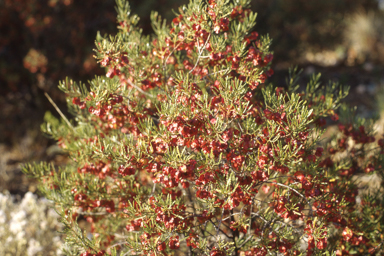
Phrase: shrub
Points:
(182, 148)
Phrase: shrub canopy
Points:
(183, 148)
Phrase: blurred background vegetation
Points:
(43, 41)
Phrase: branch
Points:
(200, 52)
(58, 110)
(221, 219)
(297, 192)
(139, 89)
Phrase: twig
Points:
(219, 230)
(153, 189)
(214, 73)
(237, 213)
(165, 62)
(297, 192)
(375, 249)
(200, 52)
(127, 253)
(235, 235)
(221, 219)
(58, 110)
(92, 213)
(117, 244)
(140, 90)
(246, 241)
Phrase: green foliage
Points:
(182, 148)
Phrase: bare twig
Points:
(58, 110)
(117, 244)
(200, 52)
(165, 62)
(219, 224)
(140, 90)
(219, 230)
(297, 192)
(214, 73)
(92, 213)
(246, 241)
(153, 189)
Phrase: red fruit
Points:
(161, 247)
(174, 243)
(124, 171)
(87, 254)
(100, 253)
(347, 234)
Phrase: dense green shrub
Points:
(184, 148)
